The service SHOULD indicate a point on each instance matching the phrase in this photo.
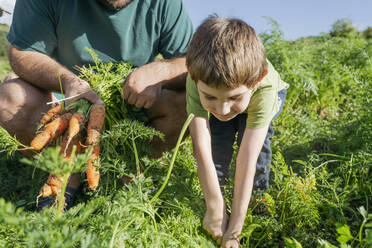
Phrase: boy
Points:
(231, 82)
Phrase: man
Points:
(48, 38)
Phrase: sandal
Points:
(50, 200)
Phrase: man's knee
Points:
(10, 76)
(170, 104)
(167, 116)
(21, 105)
(16, 94)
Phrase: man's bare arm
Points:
(143, 85)
(44, 72)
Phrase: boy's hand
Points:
(230, 242)
(215, 224)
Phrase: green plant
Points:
(321, 170)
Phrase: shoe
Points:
(45, 202)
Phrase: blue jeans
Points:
(223, 134)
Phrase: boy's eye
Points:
(234, 98)
(209, 97)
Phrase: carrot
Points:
(76, 124)
(52, 131)
(56, 190)
(58, 126)
(46, 191)
(40, 141)
(93, 174)
(94, 130)
(51, 114)
(95, 124)
(54, 183)
(53, 180)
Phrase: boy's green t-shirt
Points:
(263, 104)
(136, 34)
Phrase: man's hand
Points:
(140, 87)
(81, 89)
(215, 224)
(143, 86)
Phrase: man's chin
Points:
(115, 4)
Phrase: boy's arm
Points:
(250, 148)
(215, 219)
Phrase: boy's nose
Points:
(223, 108)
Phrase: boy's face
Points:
(224, 103)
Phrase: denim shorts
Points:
(223, 135)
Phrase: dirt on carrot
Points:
(51, 132)
(53, 112)
(94, 130)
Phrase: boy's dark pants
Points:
(223, 136)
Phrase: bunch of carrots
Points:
(57, 122)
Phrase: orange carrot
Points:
(51, 114)
(93, 174)
(46, 191)
(40, 141)
(94, 130)
(76, 124)
(58, 126)
(54, 183)
(63, 144)
(56, 190)
(53, 180)
(52, 131)
(95, 124)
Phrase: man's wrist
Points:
(173, 68)
(164, 69)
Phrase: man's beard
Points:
(115, 4)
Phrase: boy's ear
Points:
(261, 78)
(264, 75)
(256, 85)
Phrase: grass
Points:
(321, 185)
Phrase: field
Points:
(321, 184)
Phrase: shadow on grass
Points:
(20, 183)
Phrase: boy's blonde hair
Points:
(226, 52)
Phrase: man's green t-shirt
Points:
(263, 104)
(136, 34)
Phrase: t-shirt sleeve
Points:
(264, 102)
(176, 31)
(193, 104)
(33, 26)
(262, 107)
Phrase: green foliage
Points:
(292, 243)
(345, 237)
(126, 142)
(80, 106)
(343, 28)
(3, 40)
(8, 143)
(107, 79)
(367, 33)
(51, 160)
(321, 185)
